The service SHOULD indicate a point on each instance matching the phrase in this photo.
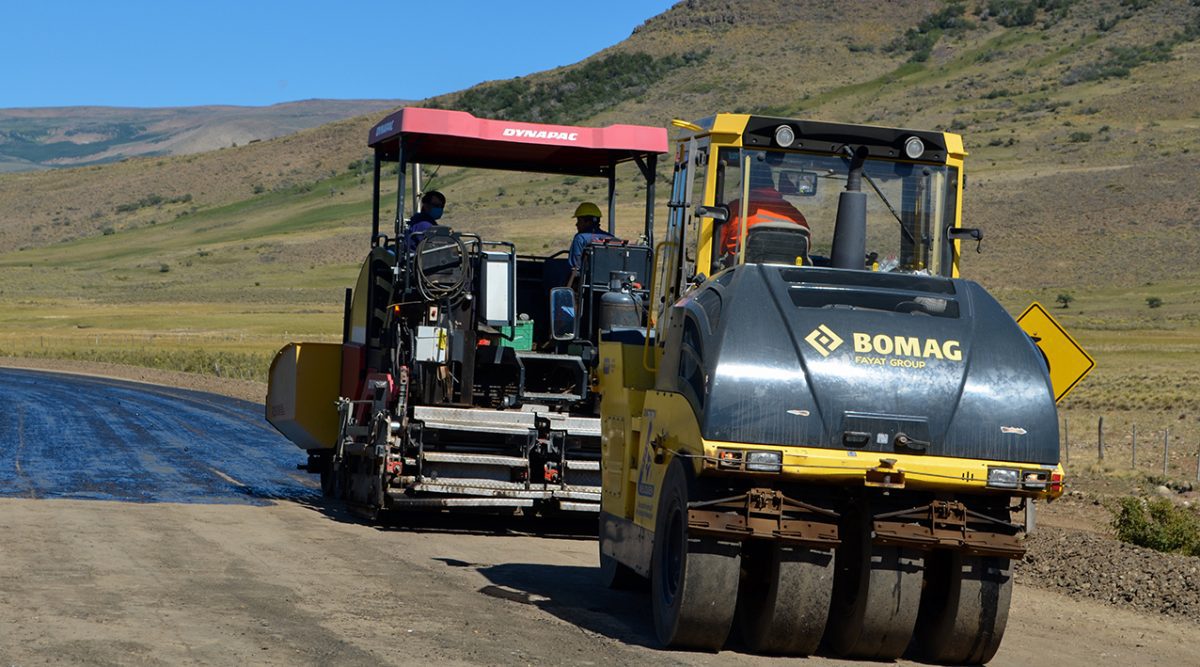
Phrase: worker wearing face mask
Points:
(432, 205)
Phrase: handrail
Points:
(651, 319)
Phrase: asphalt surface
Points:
(70, 436)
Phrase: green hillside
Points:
(1080, 116)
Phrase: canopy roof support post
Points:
(375, 203)
(612, 199)
(400, 169)
(416, 185)
(649, 169)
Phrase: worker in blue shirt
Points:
(587, 228)
(433, 203)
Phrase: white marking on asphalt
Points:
(225, 477)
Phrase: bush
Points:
(1154, 302)
(580, 92)
(1080, 137)
(1013, 13)
(1157, 524)
(919, 41)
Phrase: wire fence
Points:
(1152, 450)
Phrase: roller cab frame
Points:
(812, 411)
(456, 389)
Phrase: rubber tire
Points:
(964, 609)
(876, 597)
(784, 598)
(694, 581)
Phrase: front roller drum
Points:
(694, 581)
(784, 597)
(876, 596)
(964, 609)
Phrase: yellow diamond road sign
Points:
(1068, 362)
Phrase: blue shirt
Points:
(417, 226)
(580, 242)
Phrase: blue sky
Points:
(177, 53)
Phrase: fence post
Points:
(1166, 449)
(1134, 462)
(1100, 437)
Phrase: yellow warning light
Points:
(685, 125)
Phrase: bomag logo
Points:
(886, 350)
(823, 340)
(902, 351)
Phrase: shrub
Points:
(577, 93)
(1154, 302)
(1013, 13)
(164, 268)
(1080, 137)
(919, 41)
(1065, 299)
(1157, 524)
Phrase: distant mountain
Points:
(43, 138)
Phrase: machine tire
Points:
(876, 596)
(783, 602)
(964, 609)
(694, 580)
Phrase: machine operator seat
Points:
(777, 243)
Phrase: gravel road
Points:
(176, 531)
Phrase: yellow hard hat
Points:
(587, 209)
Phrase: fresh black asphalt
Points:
(81, 437)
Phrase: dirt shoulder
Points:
(97, 582)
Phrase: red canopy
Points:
(458, 139)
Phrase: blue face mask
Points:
(436, 213)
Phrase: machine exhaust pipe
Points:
(850, 230)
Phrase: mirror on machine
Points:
(720, 212)
(563, 323)
(964, 233)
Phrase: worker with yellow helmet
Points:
(587, 228)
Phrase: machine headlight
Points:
(764, 461)
(914, 148)
(1004, 478)
(785, 136)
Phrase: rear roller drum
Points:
(784, 598)
(876, 596)
(964, 608)
(694, 581)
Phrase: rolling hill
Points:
(1080, 116)
(44, 138)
